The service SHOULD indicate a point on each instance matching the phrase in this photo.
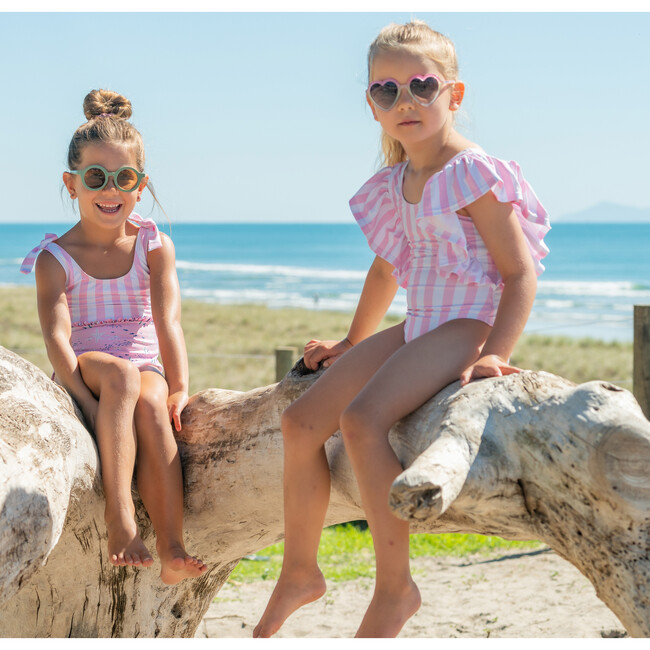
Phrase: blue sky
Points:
(255, 116)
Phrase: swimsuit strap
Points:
(28, 262)
(147, 224)
(150, 225)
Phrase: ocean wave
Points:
(619, 288)
(270, 270)
(593, 288)
(335, 302)
(579, 316)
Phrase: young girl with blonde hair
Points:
(462, 231)
(109, 305)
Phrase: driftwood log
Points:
(528, 456)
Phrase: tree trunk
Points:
(528, 456)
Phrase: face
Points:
(108, 207)
(408, 121)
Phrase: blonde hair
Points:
(107, 113)
(417, 37)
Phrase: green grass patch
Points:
(346, 553)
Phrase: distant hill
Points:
(607, 213)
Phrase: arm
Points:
(378, 292)
(500, 229)
(54, 317)
(166, 311)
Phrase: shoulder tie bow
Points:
(28, 262)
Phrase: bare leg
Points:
(430, 362)
(116, 384)
(160, 479)
(306, 425)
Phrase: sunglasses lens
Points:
(384, 95)
(425, 90)
(127, 179)
(94, 178)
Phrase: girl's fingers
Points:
(175, 416)
(308, 358)
(478, 371)
(330, 360)
(315, 355)
(510, 370)
(326, 352)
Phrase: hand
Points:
(176, 402)
(324, 353)
(490, 365)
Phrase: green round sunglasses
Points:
(95, 177)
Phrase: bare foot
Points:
(388, 611)
(125, 546)
(291, 593)
(178, 565)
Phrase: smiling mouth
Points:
(109, 208)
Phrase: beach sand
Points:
(535, 594)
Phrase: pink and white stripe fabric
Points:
(438, 255)
(110, 315)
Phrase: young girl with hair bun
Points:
(462, 232)
(109, 306)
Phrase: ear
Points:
(69, 180)
(372, 107)
(457, 94)
(141, 187)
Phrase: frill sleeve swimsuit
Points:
(110, 315)
(438, 255)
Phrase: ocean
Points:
(595, 273)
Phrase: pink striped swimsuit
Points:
(110, 315)
(438, 255)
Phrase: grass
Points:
(346, 553)
(218, 335)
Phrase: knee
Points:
(294, 425)
(121, 377)
(357, 426)
(151, 406)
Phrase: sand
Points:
(533, 594)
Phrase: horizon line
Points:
(567, 219)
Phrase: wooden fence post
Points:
(285, 357)
(641, 372)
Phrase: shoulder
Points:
(377, 190)
(46, 261)
(166, 242)
(468, 157)
(482, 164)
(48, 271)
(163, 256)
(381, 178)
(469, 175)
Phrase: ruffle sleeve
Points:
(468, 177)
(376, 214)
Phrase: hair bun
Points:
(106, 102)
